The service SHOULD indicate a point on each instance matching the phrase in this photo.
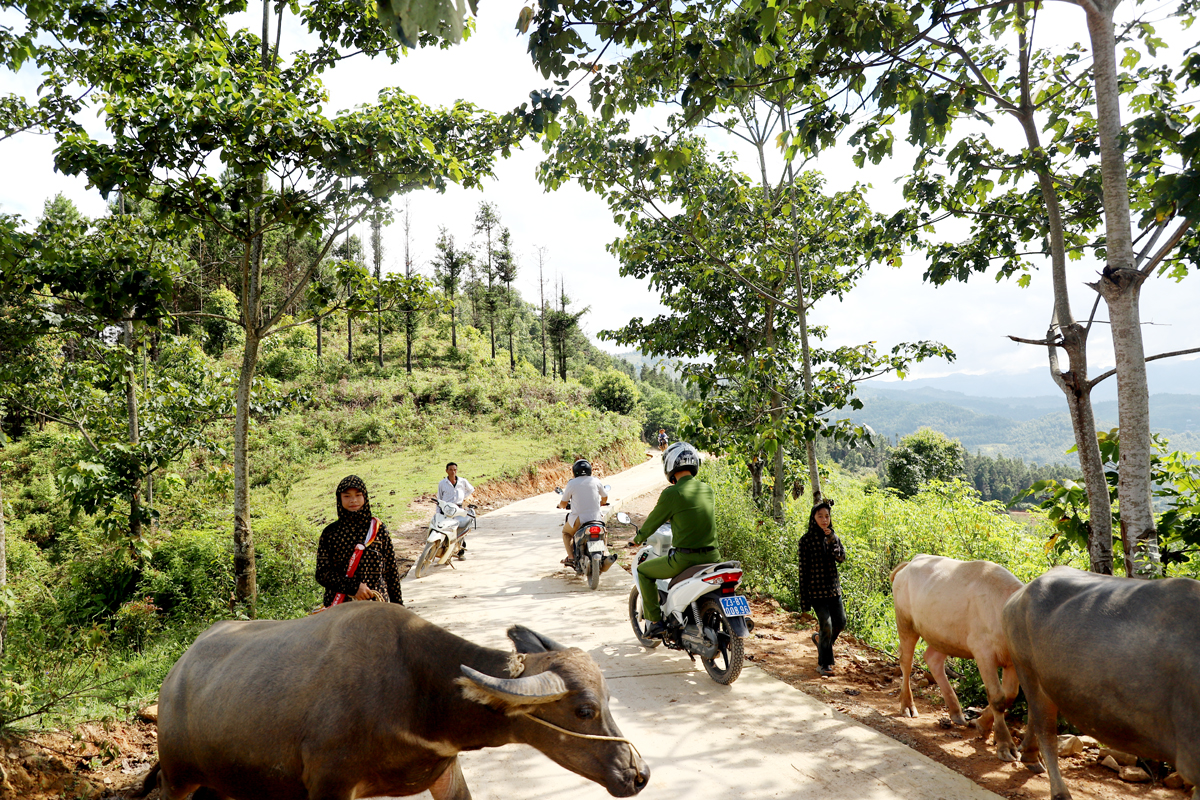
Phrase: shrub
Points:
(134, 623)
(221, 334)
(614, 391)
(190, 574)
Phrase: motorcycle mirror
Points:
(558, 490)
(622, 518)
(607, 489)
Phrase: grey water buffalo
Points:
(956, 606)
(369, 699)
(1118, 657)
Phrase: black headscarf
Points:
(353, 521)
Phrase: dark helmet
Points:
(581, 467)
(680, 455)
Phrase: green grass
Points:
(396, 477)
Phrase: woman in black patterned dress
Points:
(819, 554)
(377, 570)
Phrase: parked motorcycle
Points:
(447, 535)
(591, 546)
(704, 614)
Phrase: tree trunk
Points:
(492, 324)
(244, 569)
(3, 573)
(377, 253)
(135, 511)
(1074, 381)
(349, 336)
(777, 488)
(1120, 285)
(1138, 534)
(810, 446)
(453, 329)
(1078, 392)
(756, 469)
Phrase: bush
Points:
(134, 623)
(663, 410)
(614, 391)
(190, 574)
(222, 334)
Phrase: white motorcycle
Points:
(704, 614)
(447, 535)
(591, 545)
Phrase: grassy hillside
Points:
(93, 610)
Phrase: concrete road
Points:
(758, 738)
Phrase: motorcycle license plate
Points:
(596, 546)
(735, 606)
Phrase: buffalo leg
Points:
(908, 644)
(998, 703)
(451, 785)
(937, 665)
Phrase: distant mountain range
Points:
(1016, 414)
(1034, 428)
(1168, 376)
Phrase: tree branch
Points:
(1167, 248)
(1172, 354)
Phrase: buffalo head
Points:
(563, 695)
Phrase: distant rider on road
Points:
(584, 494)
(453, 489)
(689, 505)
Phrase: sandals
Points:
(568, 562)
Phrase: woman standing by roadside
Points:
(376, 573)
(820, 552)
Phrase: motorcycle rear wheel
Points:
(639, 624)
(726, 665)
(594, 565)
(425, 560)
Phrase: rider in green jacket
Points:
(688, 505)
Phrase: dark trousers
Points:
(831, 617)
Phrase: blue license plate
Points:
(735, 606)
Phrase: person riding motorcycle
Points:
(689, 505)
(662, 438)
(584, 493)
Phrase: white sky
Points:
(493, 70)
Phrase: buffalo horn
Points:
(544, 687)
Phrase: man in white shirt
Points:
(585, 494)
(452, 488)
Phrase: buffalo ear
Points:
(527, 641)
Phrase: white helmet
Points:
(680, 455)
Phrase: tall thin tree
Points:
(410, 320)
(377, 254)
(506, 273)
(449, 265)
(541, 251)
(487, 224)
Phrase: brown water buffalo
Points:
(368, 699)
(955, 606)
(1118, 657)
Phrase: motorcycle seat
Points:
(690, 571)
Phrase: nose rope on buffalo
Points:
(632, 746)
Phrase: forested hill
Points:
(1035, 429)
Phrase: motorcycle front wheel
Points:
(639, 624)
(596, 562)
(726, 665)
(428, 556)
